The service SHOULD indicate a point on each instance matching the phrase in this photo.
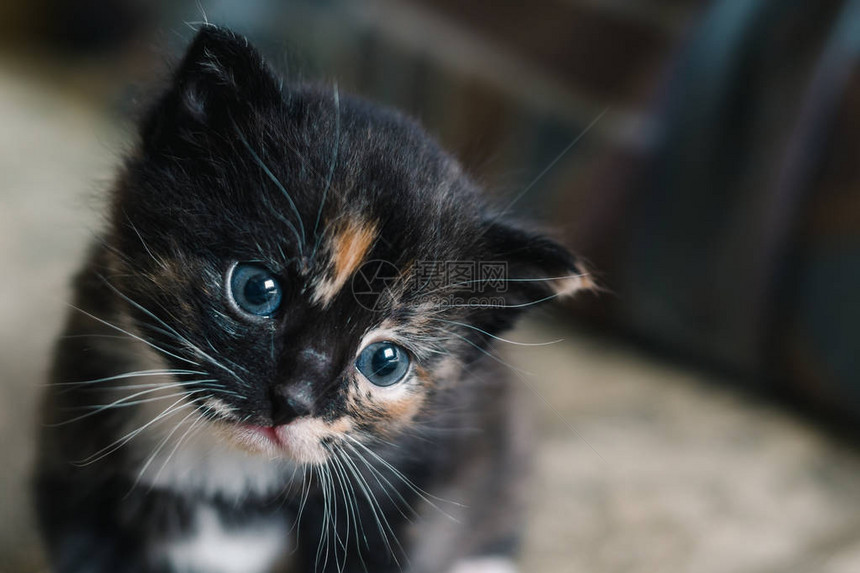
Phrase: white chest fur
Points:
(218, 471)
(191, 456)
(210, 546)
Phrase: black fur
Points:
(232, 166)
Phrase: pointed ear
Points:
(220, 78)
(538, 268)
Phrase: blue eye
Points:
(383, 363)
(255, 290)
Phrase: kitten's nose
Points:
(304, 372)
(290, 402)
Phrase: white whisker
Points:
(136, 337)
(114, 446)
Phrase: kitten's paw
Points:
(485, 565)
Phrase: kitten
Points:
(279, 355)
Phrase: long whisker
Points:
(136, 337)
(135, 374)
(176, 447)
(170, 330)
(351, 500)
(490, 354)
(331, 168)
(211, 386)
(426, 496)
(494, 337)
(306, 491)
(158, 449)
(500, 280)
(543, 173)
(126, 402)
(349, 510)
(157, 261)
(388, 488)
(322, 544)
(114, 446)
(521, 374)
(280, 186)
(382, 524)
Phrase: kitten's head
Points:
(321, 259)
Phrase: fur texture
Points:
(177, 425)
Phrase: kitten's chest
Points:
(232, 526)
(215, 544)
(209, 471)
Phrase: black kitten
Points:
(280, 352)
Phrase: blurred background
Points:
(701, 414)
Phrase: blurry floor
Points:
(642, 467)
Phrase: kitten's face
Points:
(311, 254)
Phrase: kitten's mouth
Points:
(268, 436)
(268, 432)
(300, 440)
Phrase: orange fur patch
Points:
(575, 283)
(398, 405)
(401, 410)
(348, 249)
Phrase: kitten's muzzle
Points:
(303, 376)
(291, 401)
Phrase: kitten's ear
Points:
(537, 267)
(220, 78)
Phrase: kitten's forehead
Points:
(288, 174)
(347, 249)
